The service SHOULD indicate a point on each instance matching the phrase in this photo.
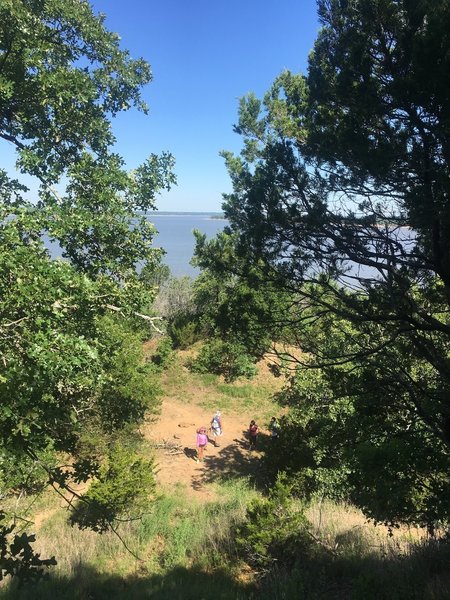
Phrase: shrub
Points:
(123, 488)
(163, 354)
(224, 358)
(275, 530)
(183, 330)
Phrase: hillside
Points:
(185, 546)
(189, 402)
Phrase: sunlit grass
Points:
(176, 533)
(184, 547)
(210, 391)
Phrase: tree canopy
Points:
(69, 364)
(341, 197)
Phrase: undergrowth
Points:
(244, 546)
(185, 549)
(177, 535)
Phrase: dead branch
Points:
(11, 323)
(140, 315)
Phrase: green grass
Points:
(186, 548)
(178, 536)
(210, 391)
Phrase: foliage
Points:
(129, 387)
(183, 331)
(17, 556)
(310, 448)
(123, 490)
(154, 276)
(68, 366)
(163, 355)
(340, 199)
(275, 530)
(22, 475)
(229, 359)
(248, 309)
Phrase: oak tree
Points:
(69, 366)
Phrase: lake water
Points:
(176, 237)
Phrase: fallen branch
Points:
(322, 543)
(168, 445)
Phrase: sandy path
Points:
(177, 425)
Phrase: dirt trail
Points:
(177, 425)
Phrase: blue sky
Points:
(204, 56)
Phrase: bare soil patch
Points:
(177, 426)
(189, 402)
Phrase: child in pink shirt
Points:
(202, 440)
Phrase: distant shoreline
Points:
(164, 213)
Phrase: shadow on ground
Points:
(190, 453)
(178, 584)
(234, 461)
(420, 575)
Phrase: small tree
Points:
(124, 488)
(275, 529)
(229, 359)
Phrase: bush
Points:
(224, 358)
(275, 530)
(163, 354)
(183, 330)
(123, 489)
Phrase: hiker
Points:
(274, 428)
(216, 427)
(253, 433)
(202, 440)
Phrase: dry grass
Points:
(344, 526)
(74, 548)
(210, 391)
